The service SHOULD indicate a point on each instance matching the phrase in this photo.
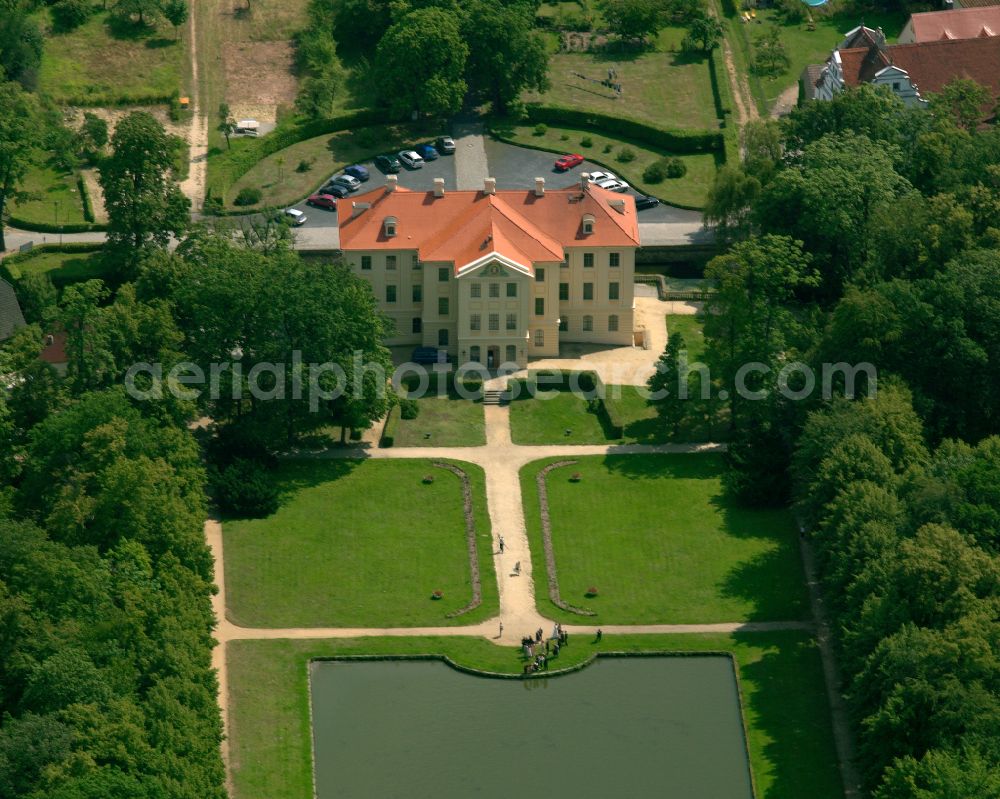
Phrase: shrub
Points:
(248, 196)
(245, 488)
(586, 141)
(437, 594)
(541, 129)
(304, 165)
(607, 148)
(564, 137)
(70, 14)
(676, 168)
(591, 592)
(659, 171)
(428, 479)
(408, 408)
(389, 431)
(625, 155)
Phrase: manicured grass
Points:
(667, 89)
(784, 704)
(281, 184)
(452, 421)
(104, 62)
(662, 543)
(62, 267)
(690, 327)
(50, 194)
(690, 191)
(359, 544)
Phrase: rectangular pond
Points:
(622, 727)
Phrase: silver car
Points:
(411, 158)
(352, 183)
(613, 184)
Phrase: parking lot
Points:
(513, 167)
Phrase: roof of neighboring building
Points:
(463, 227)
(978, 3)
(11, 317)
(810, 79)
(930, 65)
(962, 23)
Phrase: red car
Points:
(568, 162)
(323, 201)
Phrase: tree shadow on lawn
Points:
(695, 466)
(293, 476)
(764, 582)
(784, 689)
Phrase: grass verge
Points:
(449, 421)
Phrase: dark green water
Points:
(621, 728)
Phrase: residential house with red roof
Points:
(497, 276)
(964, 23)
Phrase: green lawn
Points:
(451, 421)
(663, 88)
(784, 703)
(662, 543)
(282, 184)
(50, 195)
(359, 544)
(104, 62)
(690, 191)
(62, 267)
(690, 327)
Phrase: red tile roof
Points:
(962, 23)
(463, 226)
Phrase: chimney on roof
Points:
(439, 187)
(584, 181)
(490, 186)
(618, 203)
(539, 187)
(359, 208)
(391, 181)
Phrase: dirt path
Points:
(746, 108)
(194, 186)
(786, 101)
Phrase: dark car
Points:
(335, 190)
(445, 145)
(568, 162)
(388, 163)
(427, 152)
(425, 355)
(326, 201)
(642, 202)
(359, 172)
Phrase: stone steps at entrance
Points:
(493, 397)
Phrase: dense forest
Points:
(863, 231)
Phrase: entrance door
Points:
(492, 357)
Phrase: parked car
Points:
(411, 158)
(327, 201)
(352, 183)
(335, 190)
(445, 145)
(359, 172)
(642, 202)
(293, 216)
(599, 176)
(425, 355)
(568, 162)
(427, 152)
(388, 163)
(613, 184)
(247, 127)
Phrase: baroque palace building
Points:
(493, 276)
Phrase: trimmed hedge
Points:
(389, 430)
(679, 141)
(44, 227)
(88, 208)
(9, 266)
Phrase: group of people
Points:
(540, 661)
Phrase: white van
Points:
(247, 127)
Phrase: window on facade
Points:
(588, 291)
(416, 261)
(366, 262)
(539, 306)
(494, 290)
(588, 260)
(442, 274)
(539, 274)
(565, 262)
(390, 262)
(442, 306)
(614, 259)
(895, 85)
(494, 321)
(563, 324)
(539, 338)
(511, 353)
(443, 337)
(475, 353)
(418, 324)
(512, 321)
(475, 322)
(613, 323)
(512, 289)
(418, 293)
(564, 291)
(477, 290)
(390, 293)
(612, 291)
(588, 324)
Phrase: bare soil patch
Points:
(259, 78)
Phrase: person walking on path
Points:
(501, 545)
(501, 630)
(600, 634)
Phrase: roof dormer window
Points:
(389, 225)
(588, 224)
